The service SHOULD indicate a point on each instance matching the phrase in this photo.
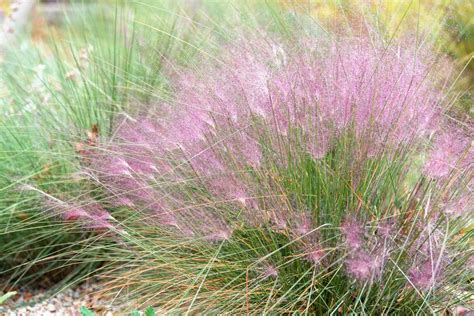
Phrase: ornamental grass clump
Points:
(284, 170)
(292, 175)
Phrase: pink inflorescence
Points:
(364, 266)
(270, 272)
(90, 215)
(423, 274)
(428, 257)
(353, 233)
(366, 254)
(452, 150)
(460, 205)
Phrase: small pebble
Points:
(51, 307)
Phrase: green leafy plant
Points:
(149, 311)
(86, 312)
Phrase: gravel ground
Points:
(67, 303)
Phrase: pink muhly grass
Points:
(366, 256)
(205, 159)
(382, 94)
(204, 223)
(364, 266)
(100, 220)
(386, 228)
(424, 274)
(218, 235)
(428, 257)
(190, 127)
(459, 206)
(317, 143)
(74, 213)
(229, 188)
(119, 200)
(278, 220)
(314, 254)
(163, 214)
(218, 120)
(353, 233)
(243, 145)
(451, 150)
(376, 88)
(115, 166)
(269, 272)
(91, 215)
(307, 238)
(301, 225)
